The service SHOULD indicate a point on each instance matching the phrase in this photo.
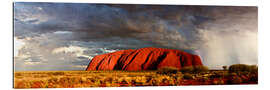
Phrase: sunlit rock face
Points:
(143, 59)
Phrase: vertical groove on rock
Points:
(119, 63)
(147, 59)
(109, 61)
(130, 61)
(101, 61)
(159, 59)
(89, 64)
(181, 60)
(193, 59)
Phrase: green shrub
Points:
(253, 78)
(200, 69)
(191, 69)
(236, 80)
(218, 75)
(253, 68)
(224, 67)
(188, 76)
(243, 68)
(57, 73)
(167, 70)
(187, 69)
(238, 67)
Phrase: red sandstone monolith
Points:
(143, 59)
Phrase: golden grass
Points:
(85, 79)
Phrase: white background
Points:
(264, 39)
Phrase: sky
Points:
(66, 36)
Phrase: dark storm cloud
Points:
(155, 24)
(95, 27)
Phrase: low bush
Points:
(187, 69)
(224, 67)
(235, 80)
(187, 76)
(167, 70)
(243, 68)
(200, 69)
(191, 69)
(253, 68)
(253, 78)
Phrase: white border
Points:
(264, 40)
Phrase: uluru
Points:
(143, 59)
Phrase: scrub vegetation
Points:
(168, 76)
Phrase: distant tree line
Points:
(243, 68)
(188, 69)
(200, 68)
